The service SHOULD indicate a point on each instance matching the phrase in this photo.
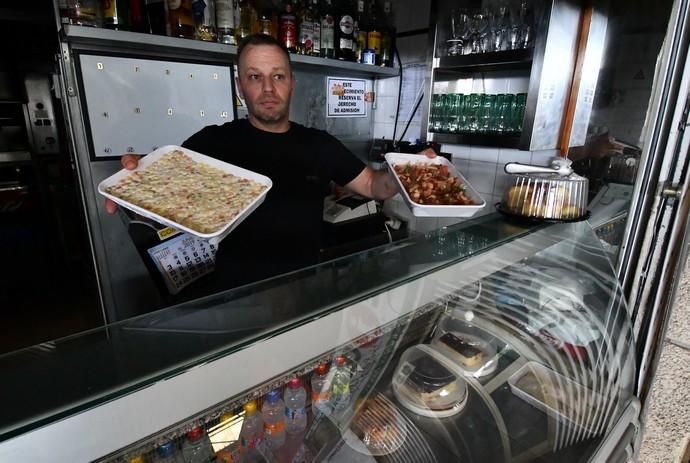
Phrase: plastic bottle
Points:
(320, 391)
(166, 453)
(340, 385)
(252, 433)
(197, 447)
(295, 402)
(273, 412)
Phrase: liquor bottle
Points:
(307, 20)
(388, 36)
(374, 32)
(137, 16)
(266, 23)
(245, 14)
(116, 14)
(360, 31)
(225, 21)
(63, 9)
(327, 31)
(205, 20)
(288, 27)
(344, 32)
(181, 19)
(157, 16)
(316, 46)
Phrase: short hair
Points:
(261, 39)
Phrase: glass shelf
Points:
(479, 139)
(507, 59)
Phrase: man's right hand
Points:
(129, 162)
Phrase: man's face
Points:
(266, 84)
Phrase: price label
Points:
(183, 260)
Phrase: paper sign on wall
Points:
(346, 97)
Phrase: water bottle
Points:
(295, 402)
(273, 412)
(197, 447)
(320, 391)
(166, 453)
(340, 385)
(252, 433)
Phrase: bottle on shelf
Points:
(197, 446)
(273, 412)
(85, 12)
(360, 32)
(387, 35)
(225, 21)
(340, 385)
(374, 32)
(327, 30)
(308, 18)
(245, 16)
(288, 27)
(180, 18)
(295, 407)
(205, 20)
(63, 10)
(344, 31)
(316, 47)
(137, 16)
(116, 14)
(252, 432)
(320, 390)
(157, 17)
(166, 453)
(266, 23)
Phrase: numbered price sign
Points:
(183, 260)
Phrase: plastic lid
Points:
(166, 449)
(322, 369)
(340, 360)
(295, 383)
(195, 434)
(227, 416)
(250, 407)
(273, 396)
(136, 459)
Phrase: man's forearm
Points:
(383, 185)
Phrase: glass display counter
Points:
(484, 341)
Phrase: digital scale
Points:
(347, 208)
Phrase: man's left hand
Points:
(428, 152)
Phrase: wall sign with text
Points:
(346, 97)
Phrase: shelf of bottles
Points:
(256, 425)
(340, 34)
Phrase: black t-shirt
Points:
(284, 233)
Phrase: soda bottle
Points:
(340, 385)
(166, 453)
(295, 401)
(320, 391)
(273, 412)
(197, 447)
(252, 433)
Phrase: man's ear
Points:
(239, 87)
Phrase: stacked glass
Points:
(500, 114)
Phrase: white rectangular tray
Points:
(147, 160)
(594, 408)
(425, 210)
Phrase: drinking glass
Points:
(520, 104)
(478, 25)
(445, 113)
(502, 120)
(525, 38)
(510, 119)
(456, 32)
(488, 105)
(435, 119)
(472, 112)
(455, 113)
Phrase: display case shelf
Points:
(105, 40)
(479, 139)
(508, 59)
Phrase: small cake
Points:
(431, 384)
(466, 351)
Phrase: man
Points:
(284, 233)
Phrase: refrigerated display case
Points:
(485, 341)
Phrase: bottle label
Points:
(294, 414)
(345, 44)
(323, 396)
(316, 48)
(225, 15)
(327, 30)
(253, 441)
(272, 429)
(347, 25)
(109, 9)
(374, 41)
(306, 35)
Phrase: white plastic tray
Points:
(576, 395)
(424, 210)
(147, 160)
